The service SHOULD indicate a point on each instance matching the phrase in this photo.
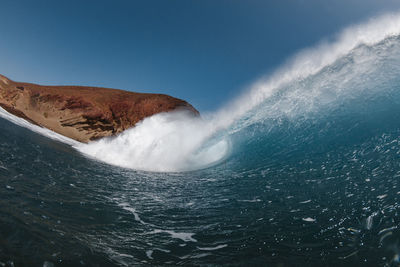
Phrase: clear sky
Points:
(203, 51)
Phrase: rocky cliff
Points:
(83, 113)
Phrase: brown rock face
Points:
(83, 113)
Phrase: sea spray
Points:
(35, 128)
(171, 141)
(309, 62)
(176, 141)
(313, 178)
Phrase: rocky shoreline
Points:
(83, 113)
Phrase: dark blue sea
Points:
(307, 174)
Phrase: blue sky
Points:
(205, 52)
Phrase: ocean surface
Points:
(303, 169)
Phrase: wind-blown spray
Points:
(164, 142)
(176, 141)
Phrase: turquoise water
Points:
(310, 179)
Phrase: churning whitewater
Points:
(179, 142)
(301, 170)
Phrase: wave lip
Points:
(165, 142)
(177, 141)
(309, 62)
(37, 129)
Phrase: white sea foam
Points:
(172, 141)
(127, 207)
(310, 61)
(177, 141)
(149, 253)
(43, 131)
(213, 248)
(186, 237)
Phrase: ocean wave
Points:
(328, 73)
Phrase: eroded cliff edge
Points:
(83, 113)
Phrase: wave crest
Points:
(178, 141)
(172, 141)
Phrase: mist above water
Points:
(315, 78)
(177, 141)
(172, 141)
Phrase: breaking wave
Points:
(315, 80)
(174, 141)
(327, 74)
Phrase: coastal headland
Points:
(83, 113)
